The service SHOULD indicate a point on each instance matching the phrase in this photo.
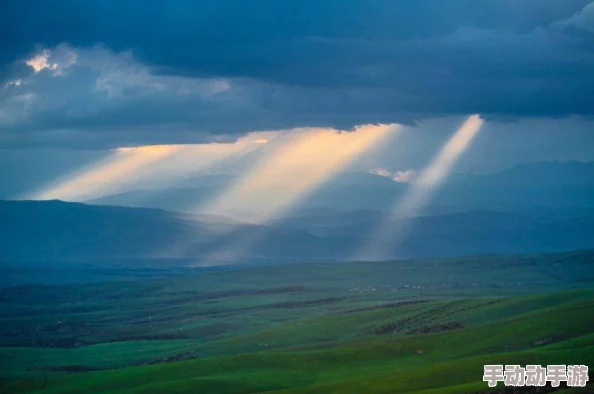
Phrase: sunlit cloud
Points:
(57, 60)
(40, 62)
(381, 172)
(15, 82)
(300, 162)
(422, 190)
(405, 176)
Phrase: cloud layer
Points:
(107, 74)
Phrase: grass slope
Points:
(385, 363)
(344, 328)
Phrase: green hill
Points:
(350, 328)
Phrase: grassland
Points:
(303, 328)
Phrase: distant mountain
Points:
(545, 174)
(473, 232)
(371, 189)
(170, 199)
(38, 231)
(544, 185)
(538, 185)
(56, 232)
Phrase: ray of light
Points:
(148, 167)
(299, 163)
(203, 158)
(388, 234)
(101, 177)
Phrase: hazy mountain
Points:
(58, 232)
(479, 231)
(171, 199)
(188, 196)
(55, 230)
(544, 184)
(539, 185)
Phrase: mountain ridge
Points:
(37, 231)
(544, 184)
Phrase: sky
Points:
(86, 84)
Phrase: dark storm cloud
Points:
(184, 71)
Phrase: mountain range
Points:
(541, 207)
(566, 185)
(56, 232)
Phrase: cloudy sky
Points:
(84, 81)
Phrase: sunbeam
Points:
(149, 166)
(388, 235)
(107, 175)
(301, 161)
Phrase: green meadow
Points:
(418, 326)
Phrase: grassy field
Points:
(303, 328)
